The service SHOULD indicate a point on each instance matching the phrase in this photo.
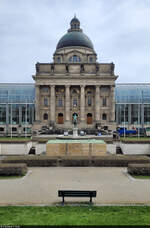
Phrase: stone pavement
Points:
(41, 185)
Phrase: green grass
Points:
(9, 177)
(135, 139)
(14, 138)
(140, 177)
(75, 215)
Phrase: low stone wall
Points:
(139, 169)
(78, 147)
(13, 169)
(135, 148)
(102, 161)
(15, 148)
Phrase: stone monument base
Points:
(63, 148)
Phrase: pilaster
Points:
(82, 103)
(37, 102)
(67, 102)
(112, 108)
(97, 103)
(52, 103)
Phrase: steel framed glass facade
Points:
(133, 104)
(17, 107)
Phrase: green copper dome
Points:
(74, 37)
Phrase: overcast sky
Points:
(31, 29)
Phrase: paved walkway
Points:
(40, 186)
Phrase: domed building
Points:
(75, 84)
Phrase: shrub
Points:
(139, 169)
(101, 161)
(75, 161)
(32, 160)
(13, 169)
(118, 160)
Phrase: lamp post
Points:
(124, 119)
(11, 118)
(26, 120)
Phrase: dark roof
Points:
(75, 20)
(74, 38)
(132, 93)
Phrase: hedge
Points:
(139, 169)
(32, 160)
(13, 169)
(102, 161)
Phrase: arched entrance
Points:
(60, 118)
(89, 118)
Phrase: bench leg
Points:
(91, 199)
(63, 200)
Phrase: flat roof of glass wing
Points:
(132, 93)
(17, 93)
(124, 93)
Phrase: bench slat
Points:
(76, 193)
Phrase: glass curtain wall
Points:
(17, 108)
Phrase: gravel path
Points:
(41, 185)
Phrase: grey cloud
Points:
(31, 29)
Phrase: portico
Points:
(75, 83)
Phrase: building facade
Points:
(75, 84)
(17, 107)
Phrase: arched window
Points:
(74, 59)
(45, 116)
(60, 102)
(91, 60)
(45, 102)
(58, 60)
(104, 101)
(60, 118)
(89, 118)
(104, 116)
(74, 102)
(89, 101)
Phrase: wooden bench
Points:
(76, 193)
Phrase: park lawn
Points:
(141, 177)
(15, 139)
(9, 177)
(135, 139)
(75, 215)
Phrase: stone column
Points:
(37, 103)
(67, 102)
(97, 103)
(82, 103)
(52, 103)
(112, 98)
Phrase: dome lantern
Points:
(74, 37)
(75, 24)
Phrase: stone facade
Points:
(75, 83)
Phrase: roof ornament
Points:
(75, 24)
